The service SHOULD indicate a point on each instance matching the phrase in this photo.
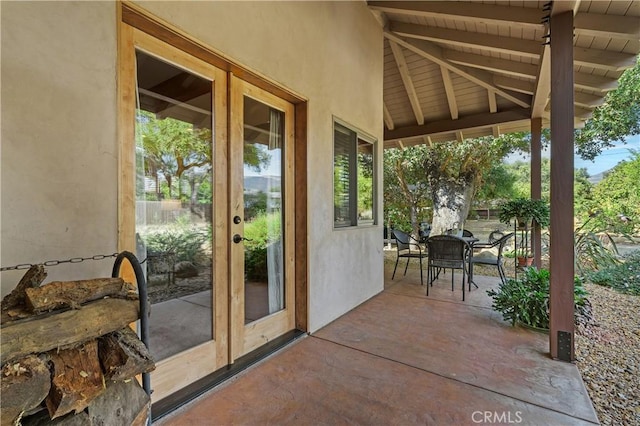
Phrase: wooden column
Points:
(536, 183)
(561, 327)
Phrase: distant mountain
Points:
(598, 177)
(261, 183)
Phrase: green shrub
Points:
(595, 249)
(263, 230)
(184, 240)
(526, 299)
(623, 277)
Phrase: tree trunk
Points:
(451, 203)
(415, 226)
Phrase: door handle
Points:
(237, 238)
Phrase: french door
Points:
(261, 217)
(210, 161)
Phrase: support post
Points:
(536, 184)
(561, 304)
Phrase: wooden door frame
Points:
(132, 17)
(170, 373)
(246, 338)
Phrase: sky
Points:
(608, 159)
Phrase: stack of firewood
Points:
(68, 353)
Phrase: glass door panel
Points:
(262, 228)
(179, 192)
(174, 202)
(263, 149)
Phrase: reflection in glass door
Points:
(174, 202)
(263, 149)
(261, 217)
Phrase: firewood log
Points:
(76, 380)
(13, 304)
(61, 329)
(61, 294)
(123, 355)
(24, 384)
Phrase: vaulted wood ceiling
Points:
(459, 69)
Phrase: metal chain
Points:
(58, 262)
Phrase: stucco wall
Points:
(58, 102)
(59, 152)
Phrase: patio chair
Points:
(408, 247)
(465, 232)
(447, 252)
(495, 235)
(490, 259)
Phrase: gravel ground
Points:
(608, 356)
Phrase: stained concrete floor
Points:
(403, 358)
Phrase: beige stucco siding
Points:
(59, 153)
(59, 150)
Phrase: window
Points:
(353, 178)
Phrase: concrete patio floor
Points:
(403, 358)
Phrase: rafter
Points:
(451, 95)
(603, 59)
(388, 121)
(491, 64)
(493, 43)
(542, 84)
(594, 82)
(493, 104)
(600, 25)
(461, 124)
(434, 53)
(587, 100)
(521, 86)
(406, 80)
(495, 131)
(464, 11)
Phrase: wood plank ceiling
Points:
(460, 69)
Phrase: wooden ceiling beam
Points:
(587, 100)
(493, 104)
(461, 124)
(451, 95)
(433, 53)
(493, 43)
(601, 25)
(542, 84)
(594, 82)
(492, 64)
(465, 11)
(406, 80)
(521, 86)
(603, 59)
(388, 121)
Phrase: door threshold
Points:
(187, 394)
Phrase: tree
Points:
(616, 198)
(172, 147)
(521, 171)
(497, 184)
(454, 171)
(582, 193)
(614, 120)
(406, 193)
